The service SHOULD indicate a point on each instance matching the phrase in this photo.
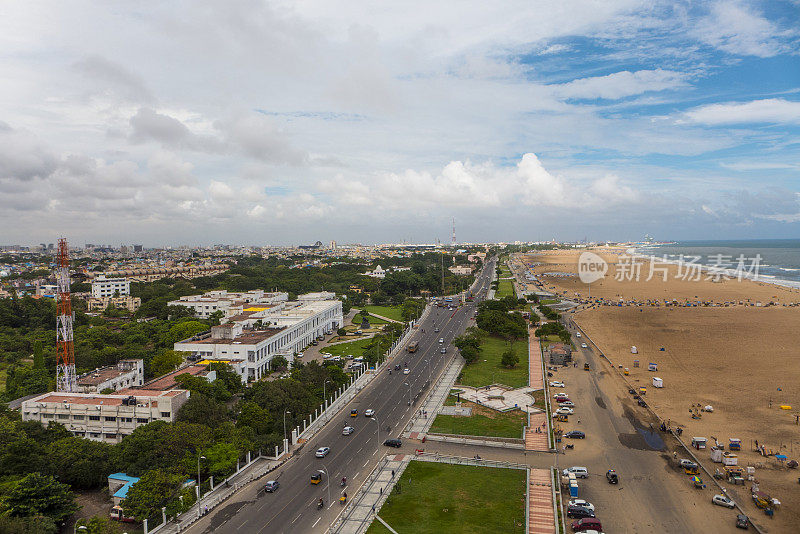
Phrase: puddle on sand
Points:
(644, 438)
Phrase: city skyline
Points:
(285, 123)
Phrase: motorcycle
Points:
(344, 482)
(320, 504)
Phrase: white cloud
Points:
(770, 110)
(621, 84)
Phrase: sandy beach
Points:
(742, 359)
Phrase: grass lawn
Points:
(390, 312)
(504, 289)
(549, 301)
(354, 347)
(372, 320)
(483, 373)
(483, 422)
(440, 498)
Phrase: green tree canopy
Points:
(38, 494)
(165, 362)
(81, 463)
(203, 409)
(155, 489)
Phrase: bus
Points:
(413, 347)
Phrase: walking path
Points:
(536, 441)
(541, 511)
(419, 425)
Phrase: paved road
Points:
(293, 508)
(652, 496)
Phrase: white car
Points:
(722, 500)
(406, 371)
(584, 346)
(577, 334)
(567, 404)
(369, 412)
(346, 431)
(557, 384)
(582, 503)
(441, 340)
(322, 452)
(565, 411)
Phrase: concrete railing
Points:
(461, 460)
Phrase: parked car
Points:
(587, 523)
(686, 464)
(577, 334)
(722, 500)
(346, 431)
(567, 404)
(436, 329)
(396, 443)
(579, 472)
(575, 434)
(578, 512)
(369, 412)
(271, 486)
(742, 521)
(322, 452)
(556, 384)
(561, 397)
(565, 411)
(612, 477)
(584, 346)
(581, 502)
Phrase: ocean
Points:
(779, 259)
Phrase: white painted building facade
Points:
(103, 287)
(230, 304)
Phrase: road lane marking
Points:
(315, 522)
(365, 463)
(296, 518)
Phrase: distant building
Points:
(110, 287)
(560, 354)
(460, 270)
(106, 418)
(377, 272)
(478, 256)
(126, 373)
(230, 304)
(157, 273)
(125, 303)
(356, 289)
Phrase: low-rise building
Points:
(461, 270)
(230, 304)
(125, 303)
(106, 418)
(103, 287)
(560, 354)
(127, 373)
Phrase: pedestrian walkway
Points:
(422, 420)
(536, 374)
(541, 511)
(537, 441)
(367, 502)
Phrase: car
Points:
(579, 472)
(397, 367)
(560, 397)
(686, 464)
(723, 500)
(565, 411)
(353, 413)
(322, 452)
(584, 346)
(396, 443)
(346, 431)
(581, 502)
(436, 329)
(742, 521)
(369, 412)
(316, 478)
(441, 340)
(443, 350)
(567, 404)
(557, 384)
(612, 477)
(406, 371)
(271, 486)
(578, 512)
(575, 434)
(587, 523)
(577, 334)
(359, 332)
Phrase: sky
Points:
(288, 122)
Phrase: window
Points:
(94, 418)
(112, 419)
(165, 415)
(142, 420)
(47, 416)
(63, 416)
(111, 436)
(127, 419)
(77, 417)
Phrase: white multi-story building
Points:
(230, 304)
(106, 418)
(260, 333)
(127, 373)
(103, 287)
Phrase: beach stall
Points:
(699, 443)
(652, 366)
(634, 350)
(636, 364)
(730, 459)
(716, 455)
(735, 444)
(657, 382)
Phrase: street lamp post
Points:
(325, 398)
(284, 423)
(199, 494)
(328, 479)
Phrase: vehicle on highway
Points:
(575, 434)
(346, 431)
(397, 367)
(316, 478)
(579, 472)
(587, 523)
(412, 347)
(271, 486)
(369, 412)
(584, 346)
(581, 502)
(567, 404)
(565, 411)
(612, 477)
(742, 521)
(406, 371)
(578, 512)
(436, 329)
(353, 413)
(722, 500)
(322, 452)
(441, 340)
(443, 350)
(396, 443)
(557, 384)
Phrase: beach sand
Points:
(734, 358)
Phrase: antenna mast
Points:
(454, 232)
(65, 349)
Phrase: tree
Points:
(202, 409)
(221, 459)
(279, 363)
(155, 489)
(341, 332)
(509, 359)
(183, 330)
(39, 494)
(38, 355)
(226, 376)
(254, 416)
(96, 525)
(165, 362)
(27, 525)
(81, 463)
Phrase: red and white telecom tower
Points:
(65, 350)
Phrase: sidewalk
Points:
(418, 427)
(536, 441)
(541, 512)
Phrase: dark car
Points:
(575, 434)
(271, 486)
(742, 521)
(393, 443)
(641, 402)
(579, 512)
(587, 523)
(612, 477)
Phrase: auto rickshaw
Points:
(316, 478)
(562, 417)
(354, 413)
(642, 390)
(585, 366)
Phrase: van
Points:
(579, 472)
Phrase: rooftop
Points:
(248, 337)
(167, 381)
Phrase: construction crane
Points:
(65, 349)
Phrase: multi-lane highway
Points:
(293, 507)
